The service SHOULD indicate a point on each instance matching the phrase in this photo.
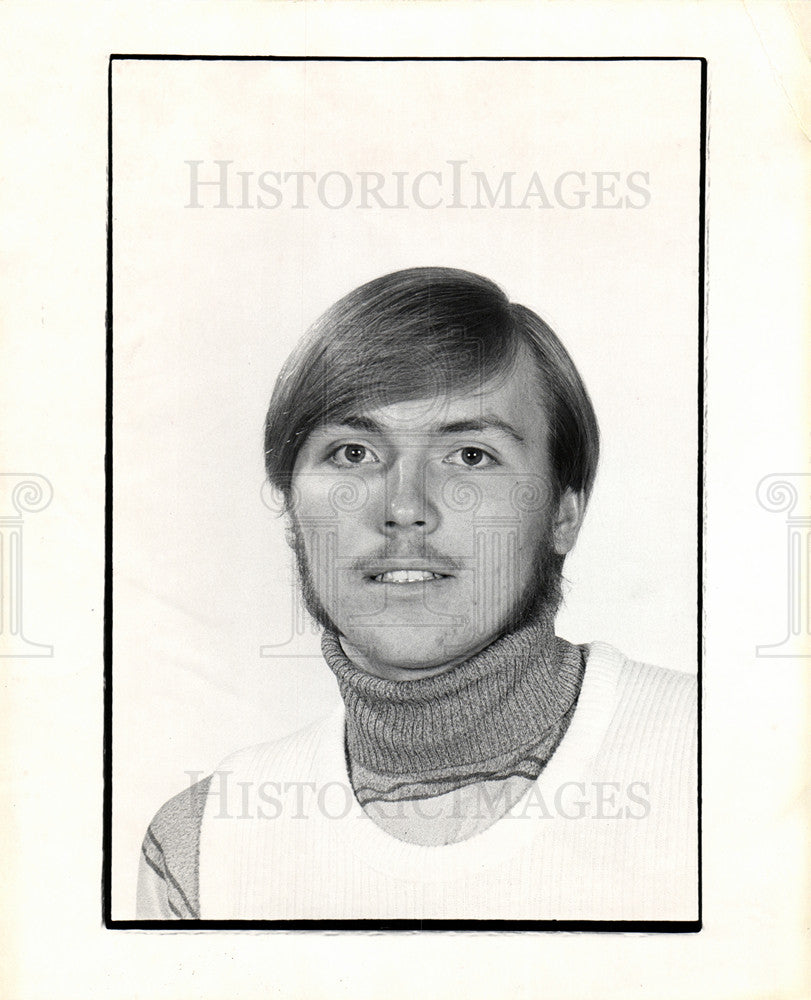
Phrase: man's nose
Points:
(408, 500)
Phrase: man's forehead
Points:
(511, 404)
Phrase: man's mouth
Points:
(408, 576)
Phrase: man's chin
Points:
(408, 653)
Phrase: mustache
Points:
(424, 553)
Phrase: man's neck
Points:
(389, 671)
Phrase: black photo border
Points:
(627, 926)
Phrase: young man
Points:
(436, 449)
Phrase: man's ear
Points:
(568, 519)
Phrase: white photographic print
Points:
(404, 503)
(405, 491)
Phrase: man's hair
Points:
(424, 333)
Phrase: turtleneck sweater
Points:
(496, 716)
(606, 832)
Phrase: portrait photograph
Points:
(404, 487)
(405, 502)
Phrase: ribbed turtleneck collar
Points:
(484, 712)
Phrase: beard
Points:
(309, 595)
(541, 597)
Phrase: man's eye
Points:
(472, 458)
(352, 454)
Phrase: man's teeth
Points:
(407, 576)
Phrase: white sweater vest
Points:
(607, 832)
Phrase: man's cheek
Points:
(495, 577)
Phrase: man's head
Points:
(436, 448)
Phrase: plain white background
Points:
(208, 301)
(52, 376)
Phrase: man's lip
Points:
(393, 566)
(412, 577)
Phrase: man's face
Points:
(424, 527)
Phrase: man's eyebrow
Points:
(357, 423)
(484, 423)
